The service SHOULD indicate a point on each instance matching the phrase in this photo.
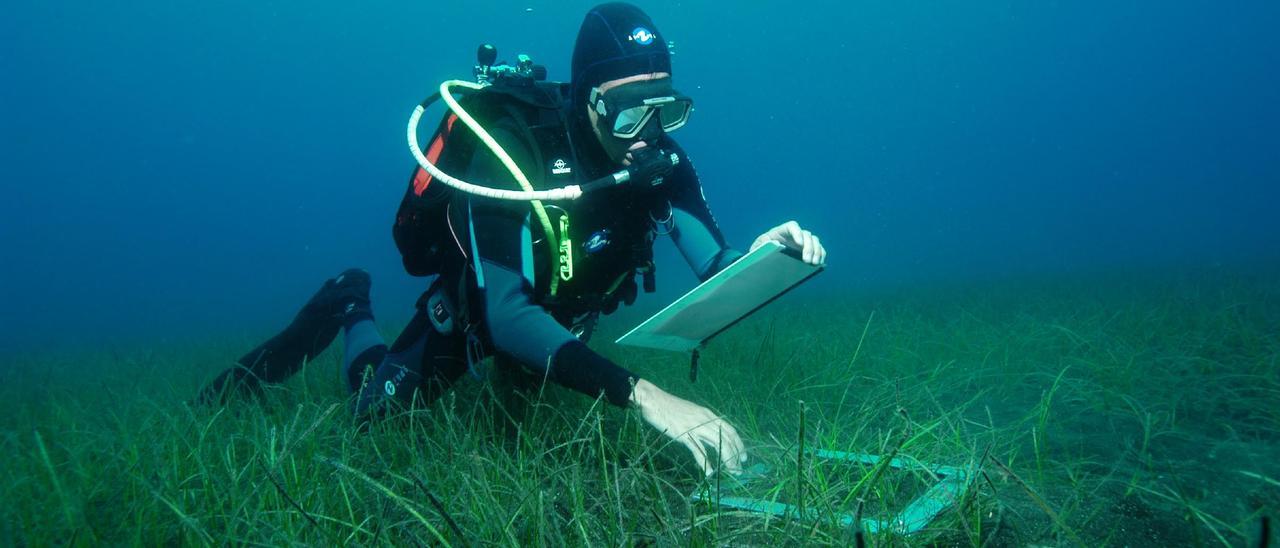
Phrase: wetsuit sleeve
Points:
(694, 229)
(517, 326)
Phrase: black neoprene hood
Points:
(616, 40)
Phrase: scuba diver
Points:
(508, 284)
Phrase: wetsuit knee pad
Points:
(393, 384)
(421, 363)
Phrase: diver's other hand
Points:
(631, 152)
(693, 425)
(791, 235)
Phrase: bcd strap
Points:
(474, 346)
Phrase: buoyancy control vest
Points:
(603, 239)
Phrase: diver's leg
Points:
(340, 301)
(421, 364)
(364, 351)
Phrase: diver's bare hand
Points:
(791, 235)
(693, 425)
(630, 157)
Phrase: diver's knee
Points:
(391, 385)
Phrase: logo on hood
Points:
(641, 36)
(560, 167)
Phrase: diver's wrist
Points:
(643, 393)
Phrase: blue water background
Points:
(175, 170)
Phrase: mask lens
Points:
(674, 115)
(631, 120)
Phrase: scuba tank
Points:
(421, 231)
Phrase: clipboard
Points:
(753, 281)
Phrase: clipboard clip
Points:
(693, 365)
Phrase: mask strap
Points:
(597, 102)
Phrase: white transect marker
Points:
(570, 192)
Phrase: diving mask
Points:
(627, 109)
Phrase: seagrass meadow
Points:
(1090, 411)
